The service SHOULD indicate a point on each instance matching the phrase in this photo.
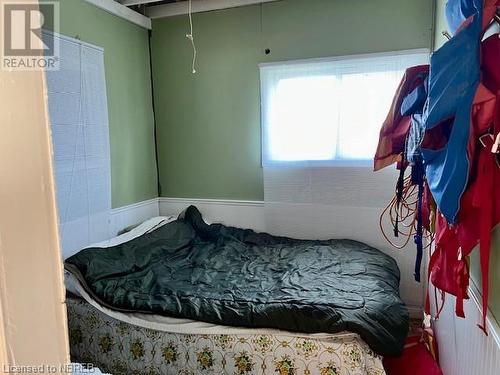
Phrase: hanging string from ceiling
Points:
(190, 35)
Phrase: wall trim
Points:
(227, 202)
(239, 213)
(132, 214)
(122, 11)
(180, 8)
(132, 206)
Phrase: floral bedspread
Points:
(121, 348)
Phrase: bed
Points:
(179, 296)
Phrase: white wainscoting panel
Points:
(463, 348)
(124, 217)
(242, 214)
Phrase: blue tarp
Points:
(457, 11)
(453, 81)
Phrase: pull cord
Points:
(190, 36)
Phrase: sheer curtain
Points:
(80, 136)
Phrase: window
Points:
(329, 111)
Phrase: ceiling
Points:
(141, 5)
(141, 12)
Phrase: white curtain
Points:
(79, 120)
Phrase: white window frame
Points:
(421, 56)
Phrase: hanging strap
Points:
(418, 178)
(399, 192)
(462, 281)
(443, 301)
(432, 261)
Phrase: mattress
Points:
(188, 326)
(165, 323)
(236, 277)
(121, 348)
(135, 343)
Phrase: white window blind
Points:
(80, 136)
(323, 112)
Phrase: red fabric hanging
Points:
(480, 204)
(395, 128)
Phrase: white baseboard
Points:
(132, 214)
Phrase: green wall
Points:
(126, 58)
(494, 282)
(209, 123)
(440, 24)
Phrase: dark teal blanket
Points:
(231, 276)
